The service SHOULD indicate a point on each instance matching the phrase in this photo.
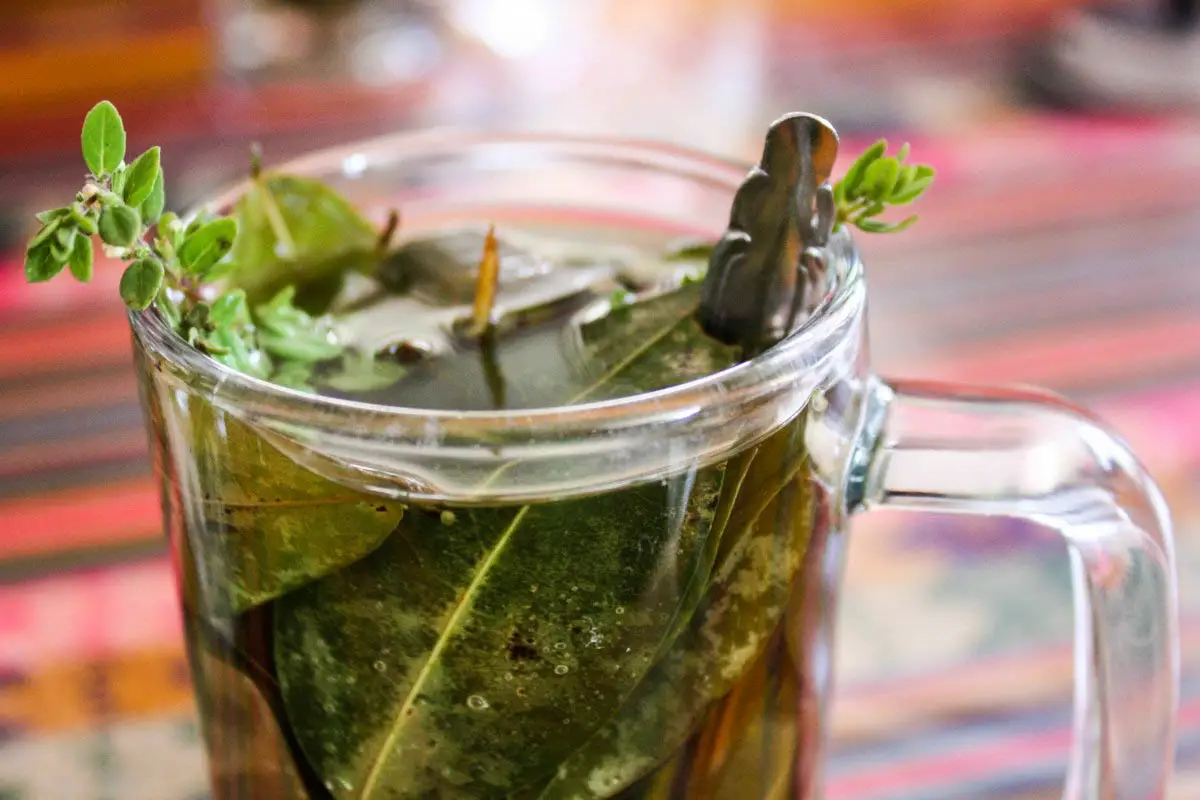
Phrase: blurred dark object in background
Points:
(1131, 55)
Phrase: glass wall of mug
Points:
(621, 599)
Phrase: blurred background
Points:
(1059, 246)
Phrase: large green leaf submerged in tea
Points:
(761, 549)
(274, 525)
(496, 652)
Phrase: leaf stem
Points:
(275, 218)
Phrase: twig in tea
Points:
(486, 284)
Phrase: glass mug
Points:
(627, 598)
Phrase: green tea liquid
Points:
(649, 642)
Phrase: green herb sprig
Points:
(876, 181)
(173, 265)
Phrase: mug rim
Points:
(731, 385)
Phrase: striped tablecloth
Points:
(1076, 267)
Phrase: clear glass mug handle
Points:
(1030, 454)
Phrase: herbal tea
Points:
(614, 645)
(563, 326)
(351, 638)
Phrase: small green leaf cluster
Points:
(117, 202)
(876, 181)
(174, 265)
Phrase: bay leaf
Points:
(268, 524)
(765, 539)
(651, 344)
(296, 231)
(471, 659)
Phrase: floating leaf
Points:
(103, 138)
(275, 525)
(360, 372)
(295, 231)
(291, 333)
(651, 344)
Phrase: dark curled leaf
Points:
(103, 138)
(760, 551)
(140, 282)
(206, 245)
(140, 177)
